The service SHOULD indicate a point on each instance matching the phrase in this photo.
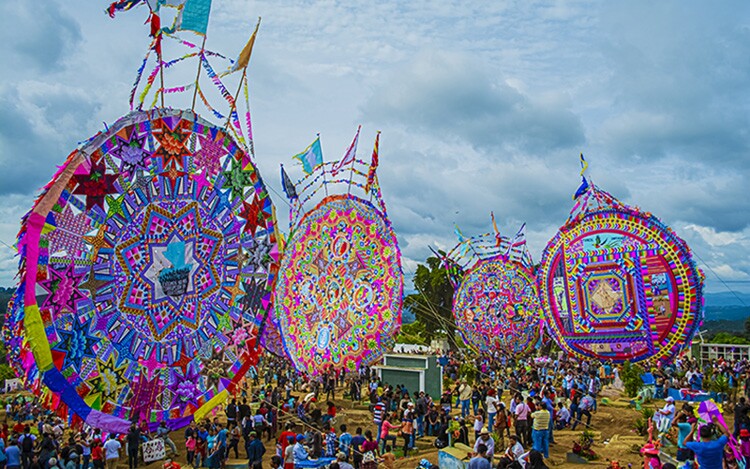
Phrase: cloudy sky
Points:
(482, 106)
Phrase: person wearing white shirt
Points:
(486, 440)
(665, 415)
(112, 451)
(562, 416)
(491, 402)
(513, 453)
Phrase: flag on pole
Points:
(582, 188)
(584, 164)
(287, 185)
(349, 156)
(373, 164)
(519, 240)
(123, 5)
(244, 57)
(311, 157)
(194, 16)
(498, 238)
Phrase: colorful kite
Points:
(617, 284)
(147, 266)
(339, 293)
(495, 303)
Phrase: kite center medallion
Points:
(168, 258)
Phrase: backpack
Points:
(27, 445)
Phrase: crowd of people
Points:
(506, 410)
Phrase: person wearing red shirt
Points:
(284, 437)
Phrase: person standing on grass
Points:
(112, 452)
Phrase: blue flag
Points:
(311, 157)
(287, 185)
(195, 16)
(582, 188)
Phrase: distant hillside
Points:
(727, 299)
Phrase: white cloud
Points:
(483, 106)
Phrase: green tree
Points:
(631, 378)
(432, 304)
(414, 333)
(729, 338)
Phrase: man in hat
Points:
(665, 415)
(464, 395)
(300, 452)
(486, 440)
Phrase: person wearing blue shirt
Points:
(300, 452)
(683, 430)
(345, 441)
(480, 461)
(13, 453)
(709, 452)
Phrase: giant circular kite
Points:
(618, 284)
(146, 265)
(495, 302)
(496, 306)
(339, 292)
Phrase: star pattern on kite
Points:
(96, 184)
(172, 150)
(64, 237)
(77, 344)
(110, 380)
(252, 214)
(63, 289)
(209, 156)
(252, 300)
(92, 284)
(151, 364)
(172, 173)
(185, 388)
(123, 348)
(98, 241)
(237, 179)
(214, 369)
(114, 205)
(222, 201)
(132, 153)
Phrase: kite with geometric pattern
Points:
(147, 265)
(618, 284)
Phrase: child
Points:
(745, 443)
(389, 459)
(650, 457)
(200, 452)
(190, 444)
